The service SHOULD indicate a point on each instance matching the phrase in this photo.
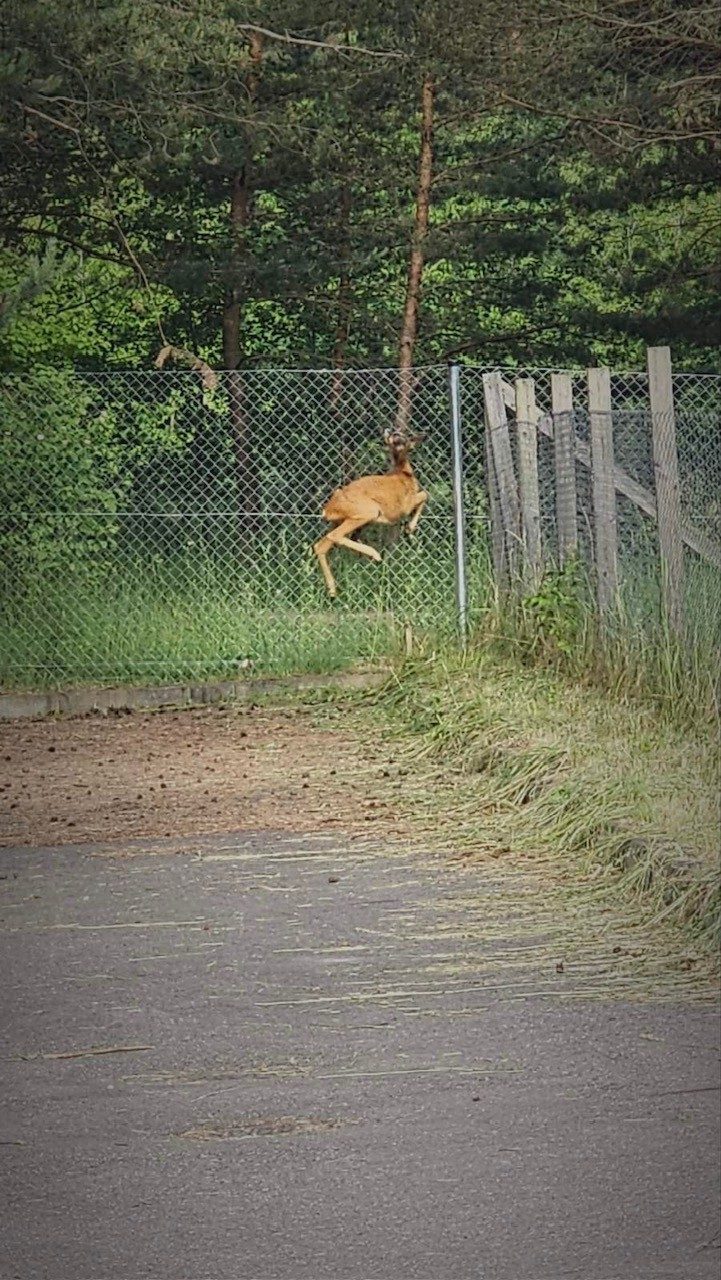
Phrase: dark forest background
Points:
(359, 184)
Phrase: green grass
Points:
(184, 614)
(508, 759)
(191, 618)
(132, 633)
(632, 656)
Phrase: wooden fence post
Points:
(665, 467)
(564, 448)
(494, 506)
(527, 438)
(500, 442)
(604, 489)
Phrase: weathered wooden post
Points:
(604, 489)
(564, 450)
(494, 507)
(527, 439)
(505, 479)
(459, 514)
(665, 467)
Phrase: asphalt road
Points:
(325, 1066)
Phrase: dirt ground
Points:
(191, 772)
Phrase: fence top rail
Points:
(506, 371)
(304, 370)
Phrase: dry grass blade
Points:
(95, 1052)
(261, 1127)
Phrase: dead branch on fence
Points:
(208, 376)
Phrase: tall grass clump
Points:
(632, 654)
(529, 761)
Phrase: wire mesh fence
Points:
(154, 528)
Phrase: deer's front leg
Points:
(419, 503)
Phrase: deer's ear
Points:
(387, 435)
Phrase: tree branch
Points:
(286, 38)
(69, 243)
(642, 132)
(649, 26)
(58, 124)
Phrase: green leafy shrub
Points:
(555, 615)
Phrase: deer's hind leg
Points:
(338, 537)
(321, 548)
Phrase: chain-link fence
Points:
(155, 528)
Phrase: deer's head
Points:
(401, 443)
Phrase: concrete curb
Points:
(89, 701)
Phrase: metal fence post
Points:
(459, 515)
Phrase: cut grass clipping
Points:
(542, 767)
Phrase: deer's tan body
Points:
(385, 499)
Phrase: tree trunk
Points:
(344, 303)
(239, 426)
(409, 328)
(239, 219)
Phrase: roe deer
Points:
(372, 500)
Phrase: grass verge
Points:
(508, 761)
